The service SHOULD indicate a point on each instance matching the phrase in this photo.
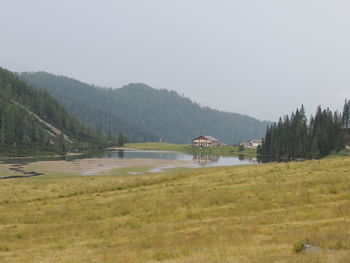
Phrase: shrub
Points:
(298, 247)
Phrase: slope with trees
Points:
(32, 121)
(142, 113)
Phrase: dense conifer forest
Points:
(293, 137)
(142, 113)
(32, 121)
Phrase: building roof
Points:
(256, 141)
(210, 138)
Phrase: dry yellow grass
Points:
(5, 171)
(229, 214)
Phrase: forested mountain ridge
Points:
(143, 113)
(31, 120)
(92, 105)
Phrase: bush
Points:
(298, 247)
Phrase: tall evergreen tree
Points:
(346, 114)
(121, 139)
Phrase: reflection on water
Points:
(204, 159)
(195, 160)
(211, 159)
(121, 153)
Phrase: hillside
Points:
(144, 113)
(32, 121)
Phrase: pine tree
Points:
(346, 114)
(121, 140)
(314, 151)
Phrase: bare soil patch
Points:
(96, 166)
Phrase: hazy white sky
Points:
(260, 58)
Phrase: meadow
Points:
(257, 213)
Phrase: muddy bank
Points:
(18, 171)
(97, 166)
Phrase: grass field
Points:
(162, 146)
(224, 214)
(227, 150)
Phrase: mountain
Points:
(143, 113)
(31, 121)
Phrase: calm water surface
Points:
(197, 160)
(194, 160)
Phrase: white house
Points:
(252, 143)
(205, 141)
(255, 143)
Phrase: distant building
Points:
(255, 143)
(205, 141)
(251, 143)
(246, 144)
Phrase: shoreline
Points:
(100, 166)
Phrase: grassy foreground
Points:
(230, 214)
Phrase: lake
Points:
(196, 160)
(98, 163)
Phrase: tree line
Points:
(294, 137)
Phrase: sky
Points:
(259, 58)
